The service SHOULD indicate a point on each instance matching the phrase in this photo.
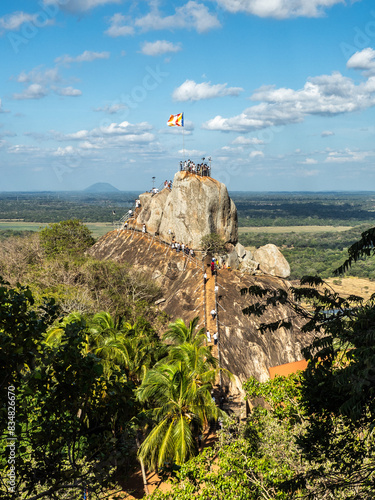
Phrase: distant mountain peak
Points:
(101, 187)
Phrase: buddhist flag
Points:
(176, 120)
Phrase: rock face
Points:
(244, 350)
(195, 207)
(271, 261)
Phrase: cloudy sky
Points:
(279, 93)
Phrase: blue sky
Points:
(279, 93)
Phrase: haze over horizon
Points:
(280, 94)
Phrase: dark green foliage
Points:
(69, 237)
(362, 248)
(68, 416)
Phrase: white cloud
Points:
(79, 5)
(13, 22)
(111, 135)
(279, 9)
(327, 133)
(33, 91)
(190, 153)
(86, 56)
(309, 161)
(159, 47)
(247, 141)
(68, 150)
(363, 60)
(192, 15)
(325, 95)
(112, 108)
(39, 75)
(41, 83)
(347, 156)
(23, 149)
(256, 154)
(119, 26)
(68, 92)
(191, 91)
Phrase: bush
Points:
(66, 237)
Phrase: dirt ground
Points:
(352, 286)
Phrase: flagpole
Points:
(183, 141)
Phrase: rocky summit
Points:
(195, 207)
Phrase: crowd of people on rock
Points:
(200, 168)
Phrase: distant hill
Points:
(101, 187)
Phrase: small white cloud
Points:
(256, 154)
(191, 91)
(86, 56)
(119, 26)
(67, 151)
(68, 92)
(347, 156)
(309, 161)
(192, 15)
(13, 22)
(190, 153)
(159, 47)
(39, 75)
(279, 9)
(247, 141)
(111, 109)
(33, 91)
(363, 60)
(327, 133)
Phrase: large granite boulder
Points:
(152, 207)
(195, 207)
(271, 261)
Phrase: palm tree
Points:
(181, 407)
(178, 332)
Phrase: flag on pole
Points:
(176, 120)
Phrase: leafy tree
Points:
(188, 347)
(213, 243)
(68, 416)
(176, 394)
(180, 408)
(338, 386)
(66, 237)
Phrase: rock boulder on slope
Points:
(271, 261)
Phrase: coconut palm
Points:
(178, 332)
(180, 407)
(130, 347)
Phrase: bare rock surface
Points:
(244, 350)
(271, 261)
